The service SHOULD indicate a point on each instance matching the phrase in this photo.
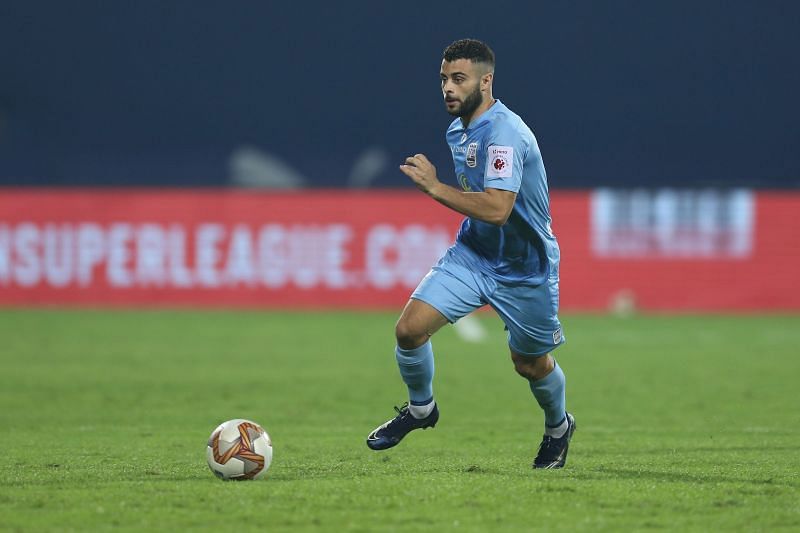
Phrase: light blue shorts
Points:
(530, 313)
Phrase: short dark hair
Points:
(472, 49)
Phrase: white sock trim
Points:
(421, 411)
(557, 432)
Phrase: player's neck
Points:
(485, 105)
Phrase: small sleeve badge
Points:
(500, 162)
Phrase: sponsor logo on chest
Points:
(462, 180)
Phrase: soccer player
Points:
(505, 254)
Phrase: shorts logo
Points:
(500, 162)
(472, 155)
(557, 336)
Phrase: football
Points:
(239, 449)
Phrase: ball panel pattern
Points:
(248, 449)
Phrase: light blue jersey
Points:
(513, 268)
(499, 151)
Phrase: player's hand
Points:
(422, 173)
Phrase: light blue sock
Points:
(550, 392)
(416, 367)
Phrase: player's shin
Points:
(550, 392)
(416, 368)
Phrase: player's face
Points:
(461, 86)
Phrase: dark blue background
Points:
(618, 93)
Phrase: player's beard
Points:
(470, 104)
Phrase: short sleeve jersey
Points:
(499, 151)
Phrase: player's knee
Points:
(532, 368)
(523, 369)
(409, 335)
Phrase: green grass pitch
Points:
(684, 423)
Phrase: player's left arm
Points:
(492, 205)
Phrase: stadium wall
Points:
(678, 250)
(619, 93)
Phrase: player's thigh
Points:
(531, 317)
(418, 320)
(451, 289)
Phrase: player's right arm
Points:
(492, 205)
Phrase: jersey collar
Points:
(486, 116)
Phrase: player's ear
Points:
(486, 80)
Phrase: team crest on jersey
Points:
(500, 162)
(463, 138)
(472, 155)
